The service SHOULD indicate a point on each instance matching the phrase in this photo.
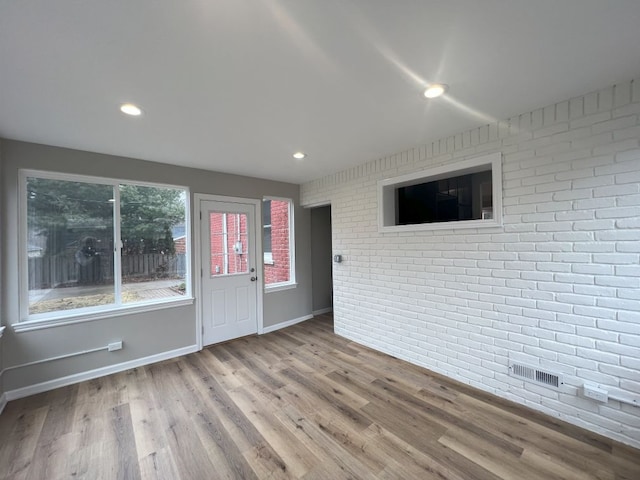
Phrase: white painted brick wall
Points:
(557, 286)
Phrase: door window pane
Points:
(229, 243)
(69, 245)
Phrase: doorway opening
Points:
(321, 260)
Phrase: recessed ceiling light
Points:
(130, 109)
(299, 155)
(435, 90)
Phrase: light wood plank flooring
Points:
(297, 403)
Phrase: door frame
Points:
(197, 199)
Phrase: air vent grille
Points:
(535, 375)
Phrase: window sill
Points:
(279, 287)
(29, 325)
(441, 226)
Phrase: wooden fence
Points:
(57, 270)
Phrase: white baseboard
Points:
(91, 374)
(286, 324)
(323, 310)
(3, 402)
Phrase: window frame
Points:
(267, 256)
(63, 317)
(291, 283)
(387, 201)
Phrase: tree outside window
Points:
(72, 246)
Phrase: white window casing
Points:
(387, 201)
(75, 315)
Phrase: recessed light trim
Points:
(131, 109)
(435, 90)
(299, 155)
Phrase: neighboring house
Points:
(179, 239)
(180, 244)
(276, 241)
(229, 242)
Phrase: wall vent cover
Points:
(535, 375)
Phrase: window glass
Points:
(152, 229)
(71, 241)
(450, 199)
(276, 242)
(465, 194)
(229, 243)
(266, 221)
(69, 245)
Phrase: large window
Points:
(277, 243)
(467, 194)
(93, 245)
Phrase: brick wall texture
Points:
(557, 286)
(236, 233)
(278, 272)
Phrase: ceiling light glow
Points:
(299, 155)
(130, 109)
(435, 90)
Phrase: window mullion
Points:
(117, 247)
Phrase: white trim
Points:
(73, 177)
(387, 187)
(279, 287)
(452, 225)
(96, 373)
(322, 203)
(323, 311)
(2, 331)
(71, 319)
(197, 199)
(286, 324)
(23, 255)
(3, 402)
(197, 259)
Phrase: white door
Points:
(229, 278)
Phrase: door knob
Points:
(253, 279)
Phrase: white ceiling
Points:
(239, 85)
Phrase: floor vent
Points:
(536, 375)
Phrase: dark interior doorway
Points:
(321, 259)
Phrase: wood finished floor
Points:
(297, 403)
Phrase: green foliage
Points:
(147, 217)
(69, 212)
(59, 209)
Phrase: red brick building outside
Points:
(228, 238)
(277, 271)
(228, 243)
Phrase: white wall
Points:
(557, 286)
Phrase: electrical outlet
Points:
(115, 346)
(595, 393)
